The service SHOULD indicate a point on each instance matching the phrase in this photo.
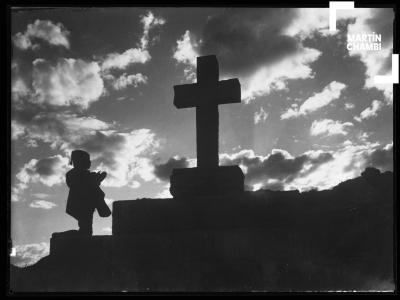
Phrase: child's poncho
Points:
(85, 194)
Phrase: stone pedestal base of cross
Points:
(208, 178)
(199, 182)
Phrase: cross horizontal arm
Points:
(195, 94)
(229, 91)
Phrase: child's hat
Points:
(78, 155)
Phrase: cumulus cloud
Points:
(329, 127)
(49, 170)
(370, 112)
(123, 60)
(309, 21)
(314, 169)
(275, 76)
(16, 130)
(68, 82)
(380, 21)
(125, 80)
(260, 116)
(58, 129)
(348, 162)
(277, 169)
(60, 84)
(43, 204)
(348, 106)
(28, 254)
(140, 54)
(330, 93)
(149, 22)
(163, 171)
(186, 53)
(251, 44)
(19, 89)
(42, 30)
(126, 157)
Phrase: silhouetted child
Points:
(84, 191)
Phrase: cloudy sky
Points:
(101, 79)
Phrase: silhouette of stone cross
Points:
(206, 95)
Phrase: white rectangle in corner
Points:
(335, 5)
(382, 79)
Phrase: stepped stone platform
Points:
(201, 260)
(72, 244)
(338, 239)
(194, 213)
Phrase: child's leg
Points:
(85, 224)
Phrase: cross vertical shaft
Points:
(207, 113)
(207, 136)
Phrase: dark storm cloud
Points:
(274, 186)
(100, 142)
(381, 159)
(244, 39)
(387, 65)
(104, 147)
(48, 170)
(382, 23)
(33, 117)
(313, 164)
(47, 166)
(58, 126)
(278, 166)
(163, 171)
(59, 129)
(321, 158)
